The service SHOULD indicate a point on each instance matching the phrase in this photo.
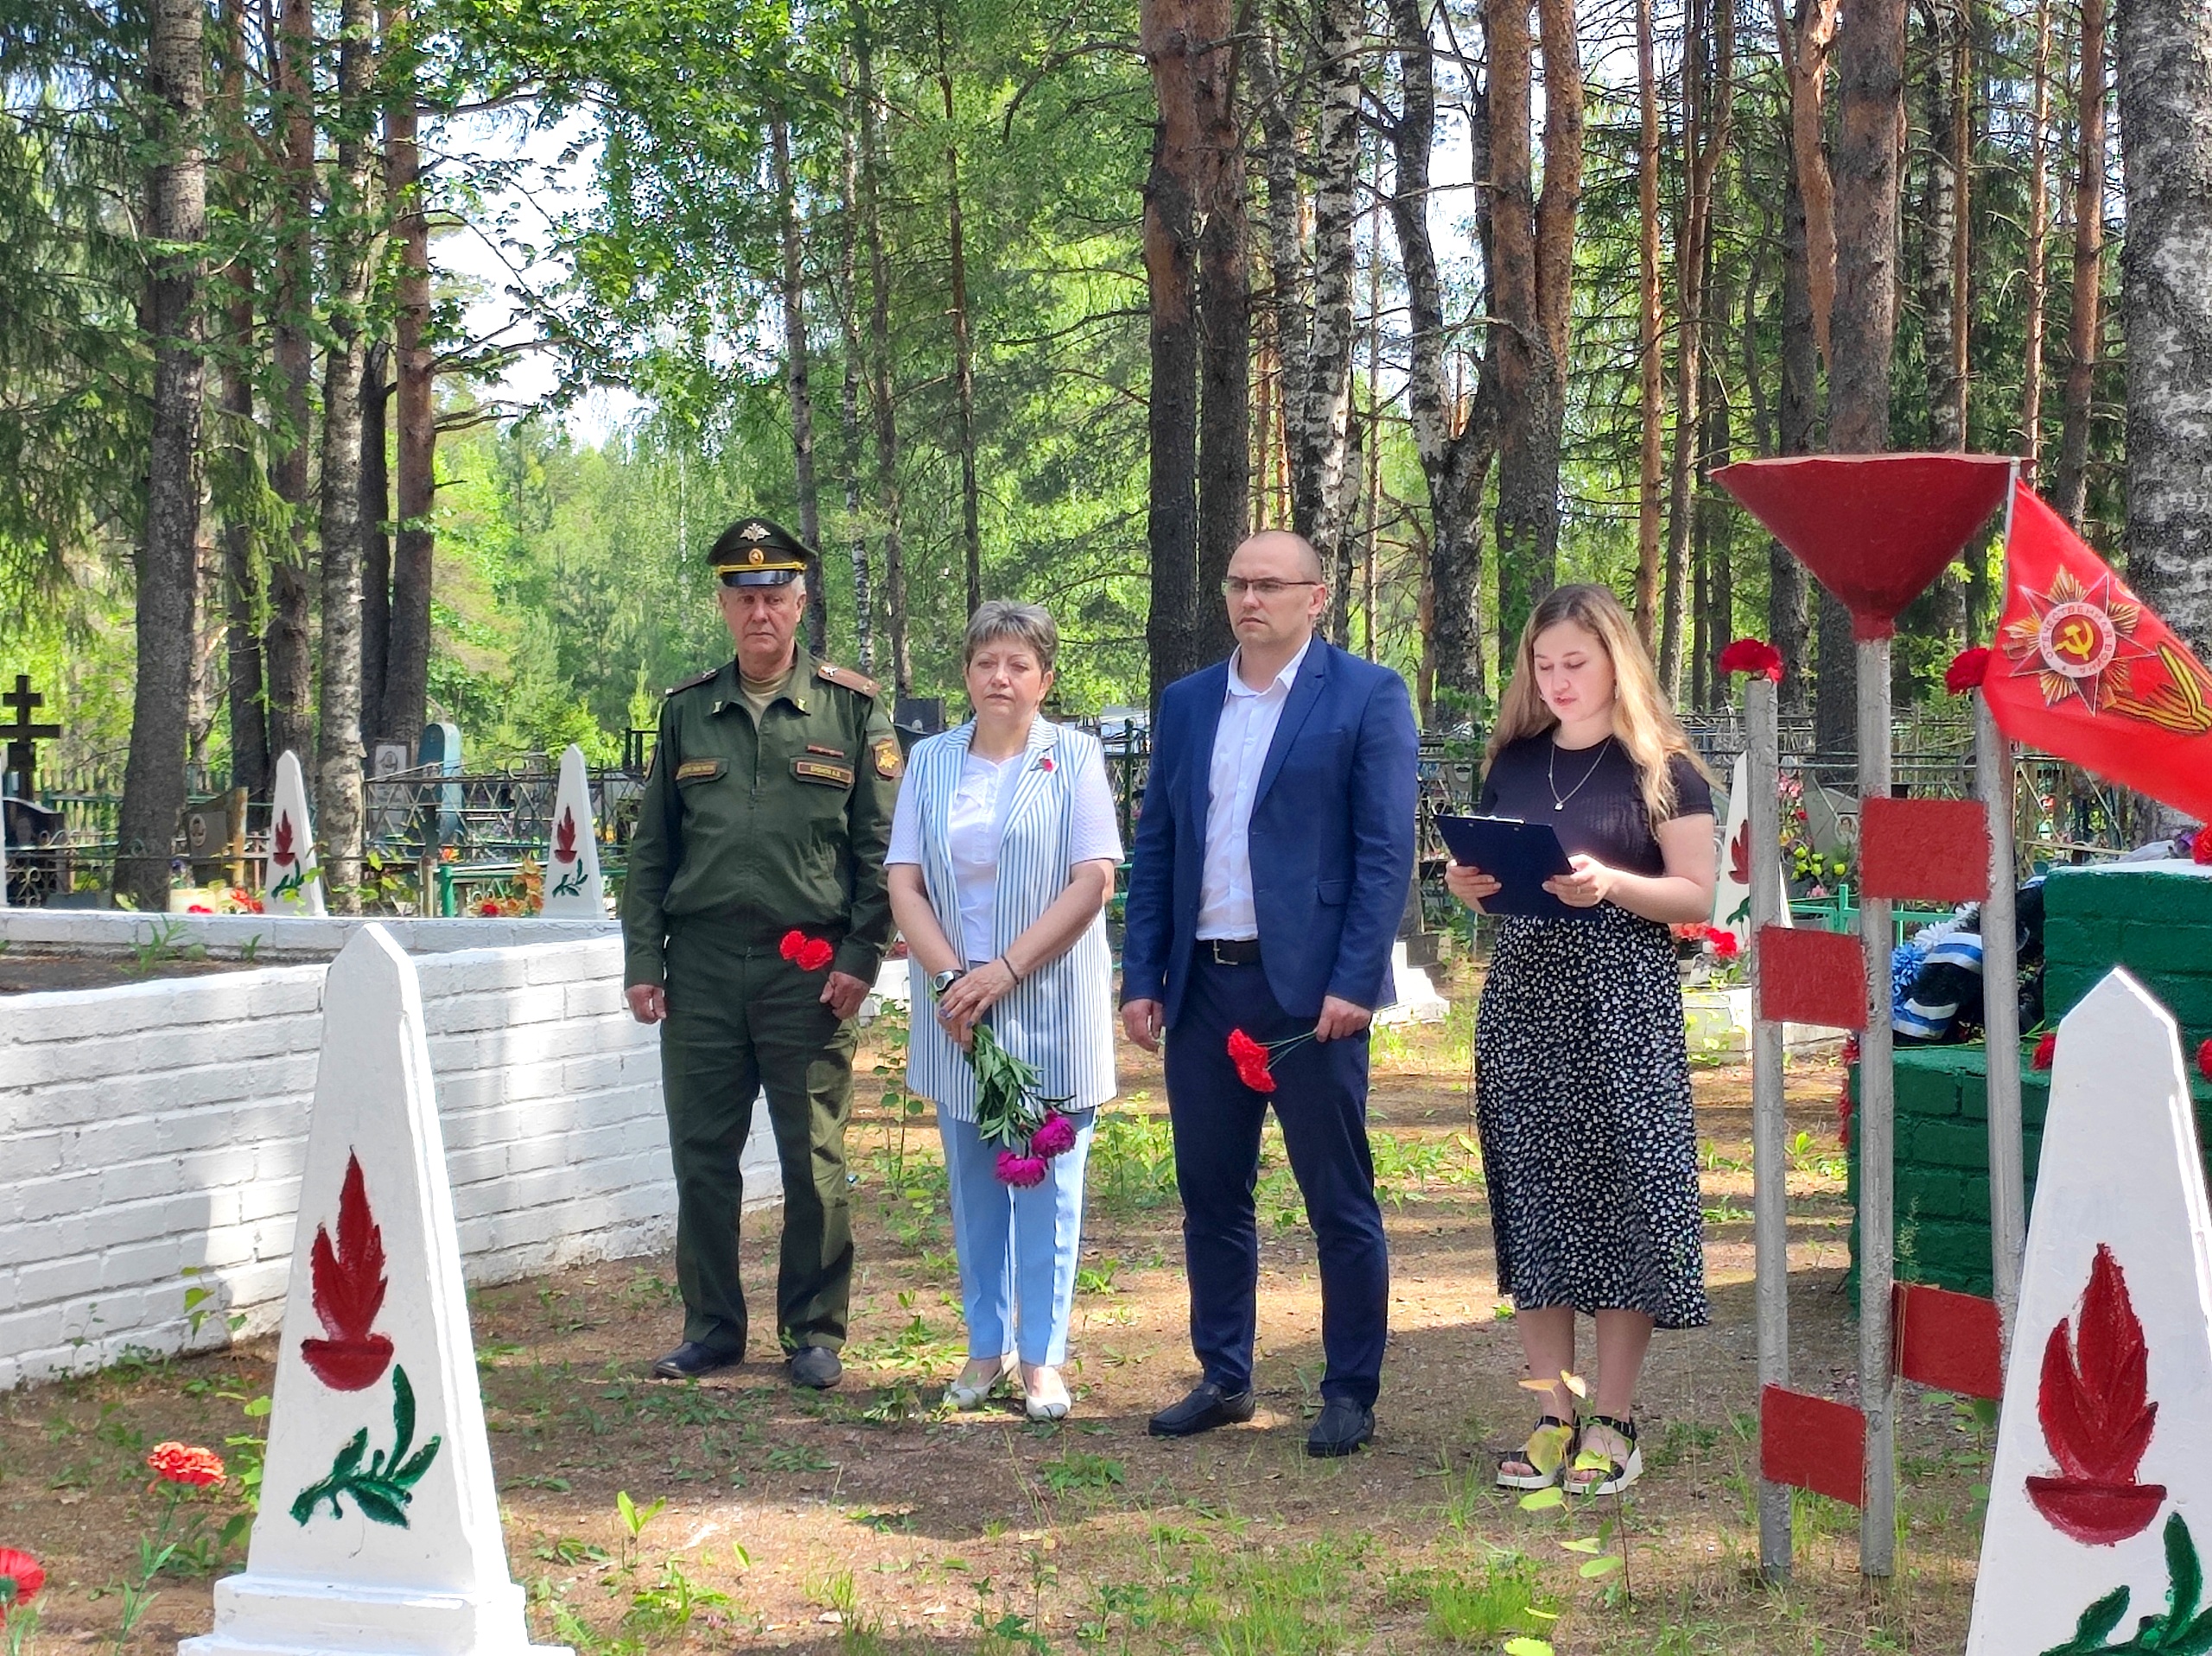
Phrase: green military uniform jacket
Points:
(767, 829)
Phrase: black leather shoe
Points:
(816, 1366)
(1207, 1407)
(691, 1360)
(1342, 1428)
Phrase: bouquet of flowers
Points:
(1013, 1113)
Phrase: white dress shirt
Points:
(1249, 718)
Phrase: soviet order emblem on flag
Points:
(2083, 669)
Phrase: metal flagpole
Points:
(1770, 1125)
(1877, 1107)
(2000, 1004)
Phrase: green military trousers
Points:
(742, 1017)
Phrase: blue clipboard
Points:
(1520, 855)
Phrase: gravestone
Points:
(23, 736)
(379, 1521)
(293, 882)
(573, 889)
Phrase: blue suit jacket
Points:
(1331, 836)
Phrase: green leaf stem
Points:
(384, 1488)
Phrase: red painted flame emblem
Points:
(282, 853)
(564, 838)
(2097, 1417)
(348, 1292)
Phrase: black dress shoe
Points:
(816, 1366)
(1207, 1407)
(1343, 1427)
(691, 1360)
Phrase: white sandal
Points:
(962, 1396)
(1045, 1394)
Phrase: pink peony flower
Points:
(1055, 1137)
(1020, 1171)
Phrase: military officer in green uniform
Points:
(754, 918)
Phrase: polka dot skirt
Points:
(1582, 1099)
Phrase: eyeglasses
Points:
(1263, 589)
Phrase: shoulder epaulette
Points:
(699, 678)
(849, 678)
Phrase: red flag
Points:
(2084, 670)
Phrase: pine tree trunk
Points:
(2038, 277)
(1282, 142)
(2165, 123)
(290, 663)
(1455, 454)
(338, 755)
(242, 585)
(404, 707)
(1806, 42)
(176, 201)
(1796, 427)
(375, 537)
(1942, 225)
(964, 363)
(1319, 431)
(797, 384)
(1651, 367)
(2070, 488)
(882, 391)
(1224, 295)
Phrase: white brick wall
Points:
(151, 1129)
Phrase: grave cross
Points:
(23, 736)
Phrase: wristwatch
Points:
(941, 981)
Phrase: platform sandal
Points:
(1607, 1476)
(1535, 1478)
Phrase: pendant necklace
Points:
(1558, 801)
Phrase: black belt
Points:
(1230, 951)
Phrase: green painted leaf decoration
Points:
(385, 1489)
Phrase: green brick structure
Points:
(2154, 919)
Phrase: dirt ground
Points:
(22, 973)
(868, 1520)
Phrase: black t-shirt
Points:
(1604, 816)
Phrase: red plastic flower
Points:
(1055, 1137)
(182, 1463)
(1020, 1171)
(489, 908)
(1724, 942)
(21, 1577)
(2046, 1049)
(2204, 1060)
(1045, 763)
(2200, 849)
(807, 953)
(1968, 669)
(1754, 656)
(200, 909)
(348, 1288)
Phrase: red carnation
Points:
(1723, 941)
(807, 953)
(1020, 1171)
(2046, 1049)
(2200, 849)
(21, 1577)
(1753, 656)
(2204, 1060)
(182, 1463)
(1968, 669)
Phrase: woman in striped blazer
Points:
(1002, 855)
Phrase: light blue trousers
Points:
(1017, 1248)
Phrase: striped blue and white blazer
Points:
(1060, 1017)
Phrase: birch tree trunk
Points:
(1280, 144)
(292, 667)
(2166, 123)
(242, 569)
(1455, 453)
(963, 364)
(1943, 226)
(1320, 428)
(176, 201)
(848, 403)
(349, 237)
(375, 537)
(2070, 487)
(797, 384)
(882, 389)
(2038, 277)
(405, 706)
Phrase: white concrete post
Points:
(292, 882)
(1758, 777)
(573, 889)
(2001, 1019)
(1876, 1111)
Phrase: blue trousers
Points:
(1320, 1098)
(1017, 1248)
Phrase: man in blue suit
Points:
(1271, 868)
